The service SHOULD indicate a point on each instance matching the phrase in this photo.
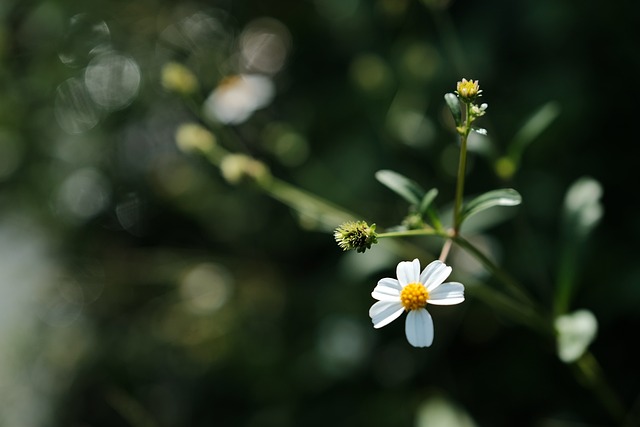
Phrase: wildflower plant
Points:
(413, 289)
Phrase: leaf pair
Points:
(422, 200)
(408, 190)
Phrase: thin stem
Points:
(589, 372)
(444, 253)
(516, 310)
(512, 285)
(406, 233)
(462, 166)
(323, 211)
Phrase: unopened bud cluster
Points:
(466, 94)
(356, 235)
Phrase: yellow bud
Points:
(193, 137)
(178, 78)
(468, 89)
(236, 167)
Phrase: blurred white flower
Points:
(576, 331)
(411, 292)
(237, 97)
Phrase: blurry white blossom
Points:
(237, 97)
(575, 332)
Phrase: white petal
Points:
(387, 290)
(447, 294)
(419, 328)
(434, 274)
(408, 272)
(384, 312)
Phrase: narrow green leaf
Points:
(454, 106)
(502, 197)
(428, 198)
(401, 185)
(534, 126)
(581, 214)
(426, 208)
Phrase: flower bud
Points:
(236, 167)
(193, 137)
(356, 235)
(468, 90)
(178, 78)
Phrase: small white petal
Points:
(419, 328)
(386, 288)
(408, 272)
(447, 294)
(384, 312)
(434, 274)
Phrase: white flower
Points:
(411, 292)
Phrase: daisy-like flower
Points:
(411, 292)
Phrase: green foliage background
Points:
(98, 326)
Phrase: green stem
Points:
(323, 211)
(512, 285)
(589, 372)
(406, 233)
(509, 307)
(462, 166)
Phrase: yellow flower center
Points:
(414, 296)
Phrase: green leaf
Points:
(454, 106)
(502, 197)
(581, 214)
(401, 185)
(535, 125)
(428, 198)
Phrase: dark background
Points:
(99, 327)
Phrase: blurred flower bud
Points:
(178, 78)
(236, 167)
(192, 137)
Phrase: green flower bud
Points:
(356, 235)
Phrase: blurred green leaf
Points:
(454, 106)
(533, 127)
(401, 185)
(582, 211)
(502, 197)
